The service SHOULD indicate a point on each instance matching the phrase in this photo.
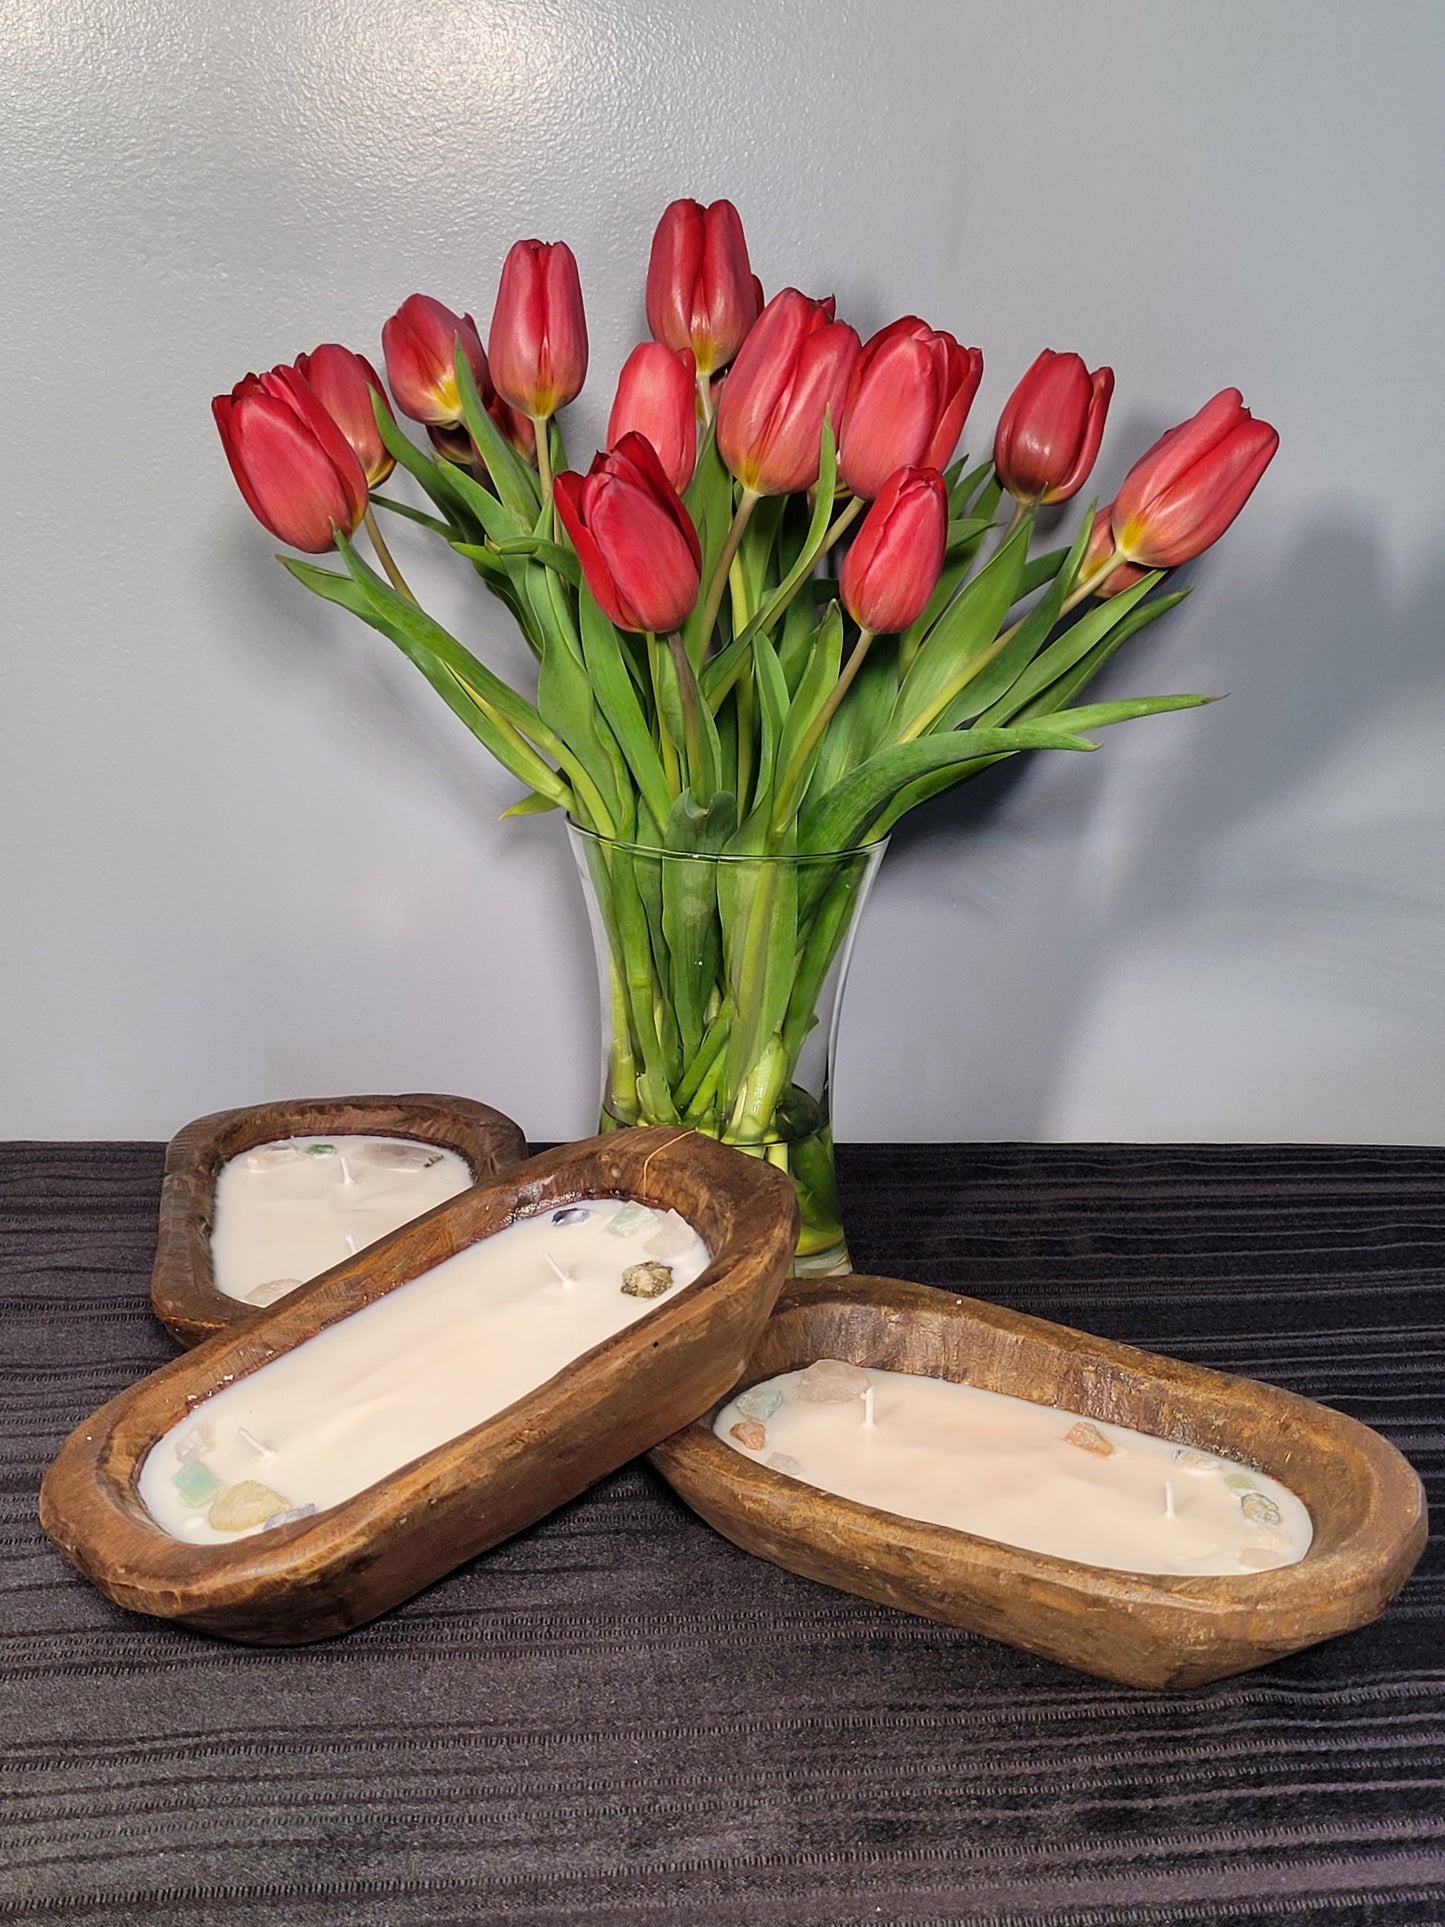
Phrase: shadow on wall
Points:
(1240, 934)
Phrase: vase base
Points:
(832, 1262)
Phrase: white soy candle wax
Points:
(289, 1210)
(1026, 1475)
(419, 1366)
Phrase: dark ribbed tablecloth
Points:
(620, 1717)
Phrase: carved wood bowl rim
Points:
(345, 1564)
(183, 1293)
(1366, 1502)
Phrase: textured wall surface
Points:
(247, 854)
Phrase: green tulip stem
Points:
(384, 556)
(541, 423)
(1021, 509)
(691, 726)
(842, 522)
(1086, 584)
(704, 397)
(797, 770)
(747, 503)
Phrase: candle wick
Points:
(346, 1177)
(1169, 1512)
(567, 1279)
(868, 1418)
(350, 1242)
(255, 1444)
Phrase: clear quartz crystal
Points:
(673, 1237)
(271, 1290)
(830, 1381)
(397, 1157)
(271, 1155)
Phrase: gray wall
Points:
(246, 852)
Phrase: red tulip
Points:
(345, 384)
(701, 292)
(420, 343)
(657, 399)
(638, 548)
(894, 561)
(1049, 432)
(538, 340)
(1101, 547)
(292, 463)
(910, 394)
(793, 369)
(1184, 493)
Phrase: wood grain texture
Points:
(1366, 1503)
(183, 1292)
(345, 1565)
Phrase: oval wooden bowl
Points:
(1366, 1503)
(342, 1566)
(183, 1292)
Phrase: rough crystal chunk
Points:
(195, 1482)
(831, 1381)
(288, 1518)
(271, 1290)
(785, 1463)
(632, 1220)
(1188, 1460)
(760, 1401)
(198, 1439)
(248, 1504)
(1240, 1481)
(672, 1238)
(649, 1280)
(269, 1156)
(1260, 1509)
(1260, 1558)
(571, 1214)
(321, 1150)
(1089, 1438)
(749, 1433)
(398, 1157)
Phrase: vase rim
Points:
(877, 846)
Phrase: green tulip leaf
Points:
(965, 629)
(516, 481)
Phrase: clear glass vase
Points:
(721, 980)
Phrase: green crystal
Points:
(321, 1150)
(1240, 1481)
(196, 1483)
(632, 1218)
(760, 1402)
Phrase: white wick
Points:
(346, 1177)
(255, 1444)
(1169, 1499)
(350, 1242)
(868, 1418)
(567, 1279)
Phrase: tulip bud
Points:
(538, 339)
(701, 292)
(420, 343)
(1184, 493)
(296, 469)
(793, 369)
(894, 561)
(1049, 432)
(1101, 546)
(911, 391)
(657, 399)
(345, 384)
(636, 542)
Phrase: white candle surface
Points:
(423, 1364)
(289, 1210)
(1027, 1475)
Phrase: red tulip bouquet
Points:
(775, 614)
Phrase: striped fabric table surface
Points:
(619, 1717)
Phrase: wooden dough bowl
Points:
(342, 1566)
(1364, 1499)
(183, 1294)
